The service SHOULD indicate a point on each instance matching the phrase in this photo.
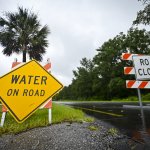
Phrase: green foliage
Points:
(119, 88)
(93, 128)
(146, 97)
(143, 16)
(112, 131)
(82, 84)
(63, 113)
(109, 64)
(103, 77)
(21, 32)
(144, 1)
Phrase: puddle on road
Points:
(131, 122)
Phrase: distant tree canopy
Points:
(143, 16)
(103, 77)
(144, 1)
(21, 32)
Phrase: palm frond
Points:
(21, 31)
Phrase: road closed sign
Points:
(26, 88)
(142, 67)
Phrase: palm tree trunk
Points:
(24, 56)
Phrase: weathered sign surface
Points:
(142, 67)
(26, 88)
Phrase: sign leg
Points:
(141, 108)
(139, 97)
(3, 119)
(50, 115)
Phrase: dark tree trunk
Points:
(24, 56)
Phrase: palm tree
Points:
(21, 32)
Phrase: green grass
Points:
(145, 98)
(114, 100)
(63, 113)
(130, 100)
(60, 114)
(93, 128)
(112, 131)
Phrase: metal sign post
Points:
(141, 70)
(3, 119)
(140, 98)
(50, 115)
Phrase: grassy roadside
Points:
(130, 99)
(60, 114)
(104, 101)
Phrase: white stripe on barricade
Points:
(129, 70)
(128, 56)
(138, 84)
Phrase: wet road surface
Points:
(133, 122)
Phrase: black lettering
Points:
(146, 62)
(36, 79)
(36, 93)
(29, 79)
(9, 92)
(142, 62)
(31, 92)
(23, 80)
(139, 71)
(43, 80)
(15, 78)
(144, 72)
(42, 93)
(25, 92)
(16, 91)
(148, 71)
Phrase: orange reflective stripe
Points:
(130, 83)
(49, 104)
(143, 84)
(126, 56)
(47, 66)
(14, 64)
(4, 109)
(127, 70)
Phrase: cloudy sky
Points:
(78, 28)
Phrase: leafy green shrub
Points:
(112, 131)
(146, 97)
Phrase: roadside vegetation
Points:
(93, 128)
(102, 77)
(145, 98)
(60, 114)
(22, 32)
(112, 131)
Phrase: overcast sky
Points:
(78, 28)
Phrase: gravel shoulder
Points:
(69, 136)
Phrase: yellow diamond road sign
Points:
(26, 88)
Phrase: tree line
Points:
(103, 76)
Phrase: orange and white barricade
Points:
(134, 83)
(48, 105)
(131, 71)
(128, 56)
